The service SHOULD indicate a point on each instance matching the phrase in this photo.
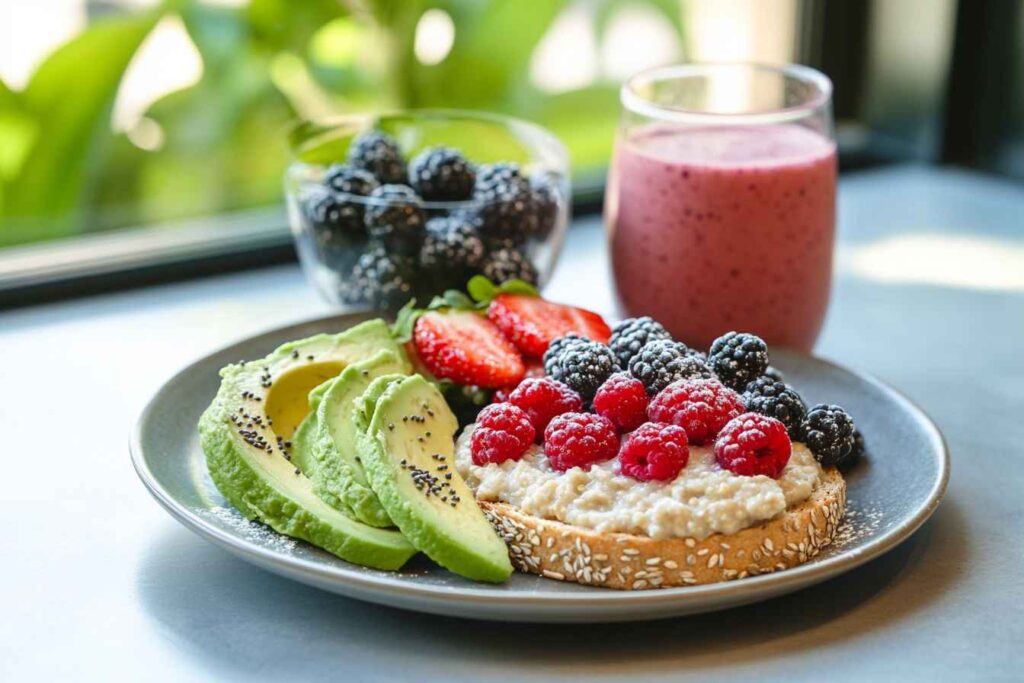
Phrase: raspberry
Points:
(579, 440)
(700, 406)
(544, 398)
(582, 364)
(503, 432)
(655, 452)
(630, 335)
(753, 444)
(623, 400)
(738, 358)
(776, 399)
(828, 431)
(662, 361)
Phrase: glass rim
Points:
(633, 101)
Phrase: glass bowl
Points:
(380, 250)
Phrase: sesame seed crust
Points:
(628, 562)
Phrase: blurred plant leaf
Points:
(70, 98)
(17, 131)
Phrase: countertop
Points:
(97, 582)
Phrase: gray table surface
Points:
(98, 583)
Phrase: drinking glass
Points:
(720, 204)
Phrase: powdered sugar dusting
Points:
(861, 521)
(254, 532)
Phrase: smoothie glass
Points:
(720, 205)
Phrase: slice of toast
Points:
(630, 562)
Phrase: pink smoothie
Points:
(718, 229)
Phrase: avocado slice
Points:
(338, 476)
(303, 444)
(408, 455)
(247, 434)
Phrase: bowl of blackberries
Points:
(389, 208)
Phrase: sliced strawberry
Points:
(466, 348)
(532, 323)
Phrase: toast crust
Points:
(629, 562)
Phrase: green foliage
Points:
(265, 65)
(69, 100)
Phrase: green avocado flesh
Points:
(338, 475)
(259, 417)
(408, 455)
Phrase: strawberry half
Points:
(532, 323)
(466, 348)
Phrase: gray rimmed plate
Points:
(889, 496)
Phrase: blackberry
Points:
(506, 264)
(829, 432)
(395, 217)
(442, 174)
(381, 279)
(776, 399)
(663, 361)
(502, 196)
(346, 179)
(378, 153)
(543, 209)
(630, 335)
(332, 217)
(580, 364)
(451, 252)
(738, 358)
(858, 451)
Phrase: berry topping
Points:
(776, 399)
(753, 444)
(380, 278)
(508, 263)
(661, 362)
(579, 440)
(395, 217)
(858, 451)
(502, 196)
(378, 153)
(654, 452)
(442, 174)
(466, 348)
(531, 323)
(542, 399)
(700, 406)
(828, 431)
(451, 245)
(503, 432)
(582, 364)
(738, 358)
(335, 216)
(345, 179)
(623, 400)
(630, 335)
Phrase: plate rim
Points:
(476, 594)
